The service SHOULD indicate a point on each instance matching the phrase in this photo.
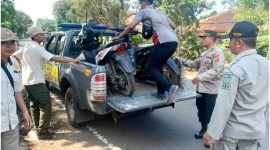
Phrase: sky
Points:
(43, 8)
(36, 8)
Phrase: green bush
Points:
(225, 47)
(263, 43)
(138, 39)
(190, 46)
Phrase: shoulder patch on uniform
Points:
(216, 56)
(226, 80)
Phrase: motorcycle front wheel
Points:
(126, 81)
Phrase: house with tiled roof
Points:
(221, 22)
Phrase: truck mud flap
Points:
(145, 100)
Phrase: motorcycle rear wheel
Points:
(126, 84)
(171, 76)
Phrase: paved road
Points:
(163, 129)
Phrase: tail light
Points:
(121, 49)
(98, 88)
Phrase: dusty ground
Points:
(67, 137)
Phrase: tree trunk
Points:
(120, 19)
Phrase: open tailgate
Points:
(144, 100)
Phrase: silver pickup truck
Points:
(84, 85)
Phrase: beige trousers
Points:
(226, 143)
(10, 140)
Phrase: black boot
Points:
(199, 135)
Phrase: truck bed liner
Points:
(142, 98)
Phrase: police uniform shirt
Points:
(160, 24)
(242, 99)
(210, 64)
(33, 57)
(9, 118)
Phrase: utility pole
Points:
(121, 11)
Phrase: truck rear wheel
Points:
(71, 107)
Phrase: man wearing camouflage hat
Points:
(239, 116)
(33, 57)
(11, 87)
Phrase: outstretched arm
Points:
(172, 24)
(63, 60)
(129, 28)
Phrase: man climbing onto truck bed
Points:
(165, 45)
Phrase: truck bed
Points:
(142, 99)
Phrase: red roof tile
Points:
(220, 22)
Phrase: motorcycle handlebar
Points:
(135, 32)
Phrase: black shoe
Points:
(46, 135)
(199, 135)
(206, 146)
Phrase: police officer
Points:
(11, 95)
(209, 65)
(239, 120)
(33, 56)
(165, 45)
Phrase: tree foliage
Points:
(190, 46)
(17, 21)
(8, 13)
(21, 23)
(256, 11)
(60, 9)
(184, 12)
(208, 15)
(109, 12)
(46, 24)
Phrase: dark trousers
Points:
(41, 107)
(158, 57)
(205, 106)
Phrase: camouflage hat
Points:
(34, 31)
(7, 35)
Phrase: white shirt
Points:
(33, 57)
(210, 65)
(242, 100)
(9, 118)
(160, 23)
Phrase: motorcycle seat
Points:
(144, 46)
